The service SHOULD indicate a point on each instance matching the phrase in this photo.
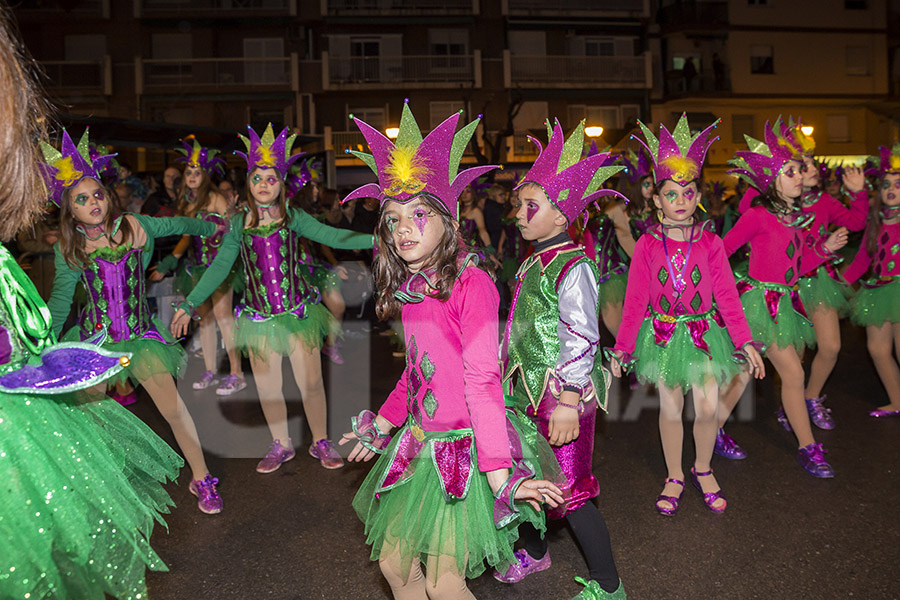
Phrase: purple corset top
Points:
(204, 249)
(273, 267)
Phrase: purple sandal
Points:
(709, 498)
(673, 500)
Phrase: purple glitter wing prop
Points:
(65, 367)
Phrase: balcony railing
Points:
(214, 8)
(82, 77)
(700, 84)
(393, 8)
(429, 71)
(216, 74)
(522, 146)
(564, 8)
(632, 72)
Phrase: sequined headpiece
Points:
(110, 172)
(413, 166)
(569, 181)
(300, 174)
(637, 165)
(66, 167)
(197, 156)
(677, 155)
(269, 152)
(887, 161)
(804, 145)
(760, 165)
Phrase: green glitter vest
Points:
(531, 343)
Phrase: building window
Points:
(741, 124)
(85, 47)
(856, 4)
(761, 60)
(443, 109)
(373, 116)
(837, 128)
(448, 48)
(630, 114)
(607, 117)
(857, 61)
(265, 71)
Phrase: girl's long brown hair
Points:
(23, 115)
(391, 271)
(873, 232)
(251, 201)
(71, 241)
(636, 203)
(202, 196)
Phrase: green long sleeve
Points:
(221, 265)
(157, 227)
(64, 282)
(310, 228)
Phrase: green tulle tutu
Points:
(822, 290)
(680, 362)
(149, 357)
(876, 306)
(791, 328)
(279, 334)
(416, 522)
(612, 291)
(81, 492)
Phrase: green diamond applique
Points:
(895, 248)
(790, 250)
(696, 302)
(427, 367)
(663, 275)
(789, 275)
(664, 303)
(891, 265)
(696, 276)
(429, 403)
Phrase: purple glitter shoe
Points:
(327, 455)
(231, 384)
(727, 447)
(123, 399)
(207, 379)
(812, 458)
(276, 455)
(673, 500)
(818, 414)
(880, 413)
(333, 353)
(709, 498)
(523, 567)
(783, 420)
(208, 499)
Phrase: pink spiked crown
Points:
(70, 164)
(887, 161)
(760, 165)
(412, 166)
(570, 181)
(678, 155)
(196, 155)
(268, 151)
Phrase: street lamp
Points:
(807, 130)
(392, 132)
(593, 131)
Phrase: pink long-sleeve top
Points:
(886, 259)
(778, 252)
(452, 376)
(707, 276)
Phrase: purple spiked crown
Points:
(569, 181)
(413, 166)
(887, 161)
(677, 155)
(70, 164)
(637, 165)
(197, 156)
(268, 151)
(760, 165)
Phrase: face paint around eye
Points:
(271, 181)
(391, 224)
(99, 195)
(646, 185)
(531, 211)
(256, 179)
(689, 194)
(790, 173)
(420, 218)
(671, 195)
(81, 199)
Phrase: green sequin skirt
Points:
(680, 362)
(789, 328)
(822, 290)
(612, 291)
(877, 305)
(416, 522)
(82, 489)
(281, 333)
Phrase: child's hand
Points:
(360, 452)
(615, 366)
(537, 491)
(155, 275)
(836, 240)
(854, 179)
(564, 420)
(180, 323)
(755, 361)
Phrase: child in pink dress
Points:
(443, 494)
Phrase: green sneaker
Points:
(593, 591)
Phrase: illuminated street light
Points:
(807, 130)
(392, 132)
(593, 131)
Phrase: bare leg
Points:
(787, 362)
(410, 587)
(224, 313)
(162, 390)
(207, 333)
(334, 302)
(828, 337)
(706, 424)
(880, 340)
(307, 365)
(671, 433)
(612, 317)
(445, 584)
(267, 373)
(728, 398)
